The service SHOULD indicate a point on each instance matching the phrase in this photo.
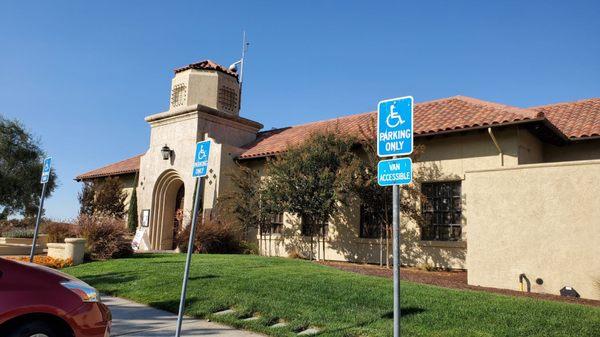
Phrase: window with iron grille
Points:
(442, 211)
(228, 98)
(310, 229)
(277, 223)
(178, 95)
(370, 227)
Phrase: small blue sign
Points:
(200, 168)
(394, 172)
(395, 127)
(46, 170)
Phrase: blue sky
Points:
(83, 75)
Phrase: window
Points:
(178, 95)
(310, 229)
(276, 225)
(370, 227)
(442, 211)
(228, 99)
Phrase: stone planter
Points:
(73, 248)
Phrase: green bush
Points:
(106, 237)
(19, 233)
(249, 248)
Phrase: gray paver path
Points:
(133, 319)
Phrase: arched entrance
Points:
(167, 210)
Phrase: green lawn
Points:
(340, 303)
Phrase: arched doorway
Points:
(167, 199)
(178, 214)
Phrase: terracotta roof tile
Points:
(130, 165)
(207, 65)
(448, 114)
(580, 119)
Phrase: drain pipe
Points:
(497, 146)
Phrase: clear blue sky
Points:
(83, 75)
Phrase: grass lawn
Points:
(340, 303)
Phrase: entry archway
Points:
(167, 197)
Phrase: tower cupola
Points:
(206, 83)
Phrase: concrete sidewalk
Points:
(134, 319)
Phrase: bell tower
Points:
(208, 84)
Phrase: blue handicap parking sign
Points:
(46, 170)
(395, 127)
(394, 172)
(200, 168)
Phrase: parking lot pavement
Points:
(134, 319)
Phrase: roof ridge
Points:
(468, 99)
(564, 103)
(495, 105)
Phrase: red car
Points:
(36, 301)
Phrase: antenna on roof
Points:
(240, 62)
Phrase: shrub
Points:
(59, 231)
(19, 233)
(47, 261)
(213, 238)
(106, 237)
(249, 248)
(9, 225)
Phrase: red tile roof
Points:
(580, 119)
(576, 120)
(448, 114)
(130, 165)
(207, 65)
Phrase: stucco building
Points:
(511, 190)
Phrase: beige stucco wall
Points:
(574, 150)
(542, 220)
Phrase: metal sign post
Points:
(200, 170)
(44, 181)
(395, 138)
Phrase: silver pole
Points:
(37, 222)
(396, 253)
(199, 192)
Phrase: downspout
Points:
(497, 146)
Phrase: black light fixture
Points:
(166, 152)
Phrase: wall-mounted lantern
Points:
(166, 152)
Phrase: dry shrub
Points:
(212, 237)
(46, 261)
(106, 237)
(295, 254)
(59, 231)
(16, 224)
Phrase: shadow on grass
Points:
(204, 277)
(387, 315)
(108, 278)
(404, 312)
(173, 305)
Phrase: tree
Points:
(245, 201)
(132, 213)
(103, 197)
(86, 198)
(359, 180)
(304, 180)
(20, 170)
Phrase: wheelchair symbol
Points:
(394, 119)
(201, 154)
